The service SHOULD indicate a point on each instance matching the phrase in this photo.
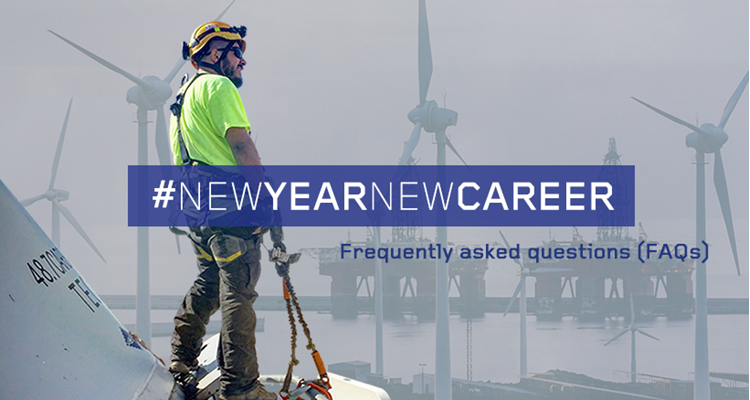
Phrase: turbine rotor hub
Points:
(432, 117)
(57, 194)
(153, 98)
(708, 144)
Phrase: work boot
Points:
(182, 375)
(258, 393)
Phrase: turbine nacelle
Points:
(57, 194)
(710, 141)
(153, 98)
(432, 117)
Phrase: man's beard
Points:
(226, 70)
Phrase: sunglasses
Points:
(236, 50)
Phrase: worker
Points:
(210, 127)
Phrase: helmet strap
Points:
(216, 67)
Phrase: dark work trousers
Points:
(225, 280)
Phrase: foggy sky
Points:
(331, 82)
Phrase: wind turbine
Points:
(150, 93)
(709, 138)
(521, 288)
(632, 329)
(428, 116)
(55, 196)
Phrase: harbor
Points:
(566, 345)
(566, 357)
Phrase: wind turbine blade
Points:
(448, 142)
(674, 119)
(632, 309)
(507, 246)
(76, 225)
(174, 71)
(59, 147)
(624, 331)
(425, 54)
(162, 139)
(515, 295)
(411, 144)
(31, 200)
(733, 101)
(646, 334)
(720, 183)
(225, 11)
(138, 81)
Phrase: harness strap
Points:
(216, 66)
(176, 109)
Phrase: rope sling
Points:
(321, 385)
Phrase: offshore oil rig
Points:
(586, 281)
(591, 288)
(408, 285)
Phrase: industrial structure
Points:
(596, 285)
(408, 285)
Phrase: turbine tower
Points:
(632, 328)
(521, 288)
(709, 138)
(55, 196)
(150, 93)
(521, 308)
